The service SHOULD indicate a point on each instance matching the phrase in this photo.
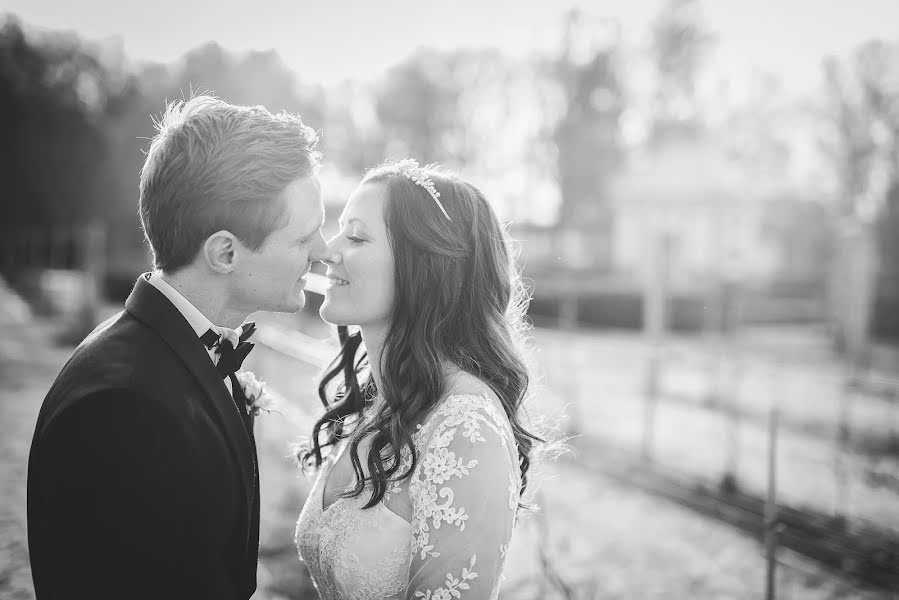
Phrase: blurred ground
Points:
(600, 539)
(712, 415)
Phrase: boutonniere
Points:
(258, 399)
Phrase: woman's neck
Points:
(374, 337)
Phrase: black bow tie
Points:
(210, 339)
(230, 358)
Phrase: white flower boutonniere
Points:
(254, 391)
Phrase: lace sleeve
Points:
(464, 494)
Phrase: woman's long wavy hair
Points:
(458, 299)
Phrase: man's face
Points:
(272, 277)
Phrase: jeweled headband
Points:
(409, 168)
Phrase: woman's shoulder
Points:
(468, 402)
(464, 391)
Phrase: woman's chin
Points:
(330, 314)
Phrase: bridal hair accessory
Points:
(409, 168)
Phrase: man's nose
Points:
(319, 249)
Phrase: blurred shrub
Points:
(619, 310)
(117, 285)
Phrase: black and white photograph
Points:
(472, 300)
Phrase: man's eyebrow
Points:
(311, 233)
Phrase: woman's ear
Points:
(220, 251)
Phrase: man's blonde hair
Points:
(214, 166)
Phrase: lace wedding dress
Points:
(462, 497)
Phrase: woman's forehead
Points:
(366, 204)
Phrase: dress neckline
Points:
(327, 477)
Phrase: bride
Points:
(421, 456)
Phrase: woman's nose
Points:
(320, 249)
(332, 252)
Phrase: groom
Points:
(142, 478)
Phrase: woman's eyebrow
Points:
(350, 220)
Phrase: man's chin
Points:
(289, 305)
(298, 304)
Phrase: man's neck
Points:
(207, 296)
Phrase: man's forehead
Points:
(309, 185)
(309, 218)
(305, 205)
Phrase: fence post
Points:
(841, 468)
(733, 418)
(860, 268)
(771, 504)
(655, 326)
(729, 389)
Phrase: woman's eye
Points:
(354, 239)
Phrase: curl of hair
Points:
(458, 299)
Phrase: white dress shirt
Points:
(197, 320)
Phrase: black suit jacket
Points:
(142, 477)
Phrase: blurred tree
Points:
(758, 133)
(352, 131)
(507, 113)
(54, 95)
(802, 230)
(863, 145)
(588, 134)
(417, 105)
(680, 43)
(256, 77)
(877, 67)
(849, 144)
(475, 109)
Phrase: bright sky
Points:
(330, 40)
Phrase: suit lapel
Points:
(150, 306)
(240, 400)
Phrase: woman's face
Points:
(360, 264)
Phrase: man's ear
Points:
(220, 251)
